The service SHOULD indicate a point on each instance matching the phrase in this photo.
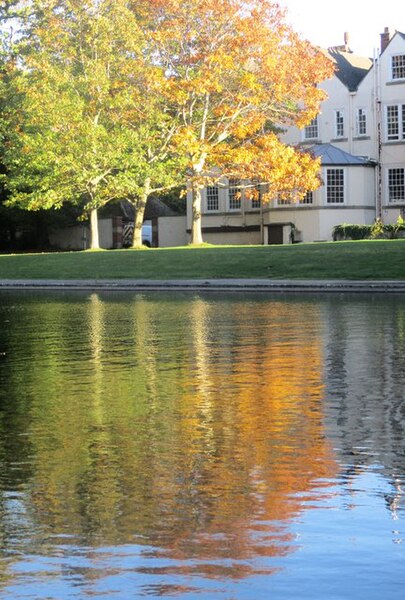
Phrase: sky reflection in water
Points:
(201, 446)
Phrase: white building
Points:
(359, 135)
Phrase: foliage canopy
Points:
(113, 99)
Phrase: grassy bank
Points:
(382, 259)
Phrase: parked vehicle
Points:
(147, 234)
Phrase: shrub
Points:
(377, 229)
(351, 232)
(363, 232)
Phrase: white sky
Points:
(323, 22)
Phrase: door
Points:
(275, 234)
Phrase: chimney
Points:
(385, 39)
(346, 41)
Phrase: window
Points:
(257, 200)
(287, 201)
(311, 130)
(307, 199)
(259, 190)
(339, 123)
(335, 186)
(395, 121)
(398, 66)
(212, 198)
(396, 185)
(361, 121)
(234, 194)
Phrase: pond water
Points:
(202, 446)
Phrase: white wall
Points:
(391, 92)
(172, 231)
(306, 220)
(365, 97)
(337, 99)
(330, 218)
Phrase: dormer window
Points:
(398, 66)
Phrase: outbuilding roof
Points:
(331, 155)
(154, 208)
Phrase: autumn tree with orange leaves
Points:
(236, 74)
(112, 99)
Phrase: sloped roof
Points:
(350, 68)
(154, 208)
(331, 155)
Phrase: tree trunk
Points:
(139, 215)
(196, 227)
(95, 243)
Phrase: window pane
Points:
(392, 122)
(256, 202)
(212, 197)
(361, 122)
(311, 130)
(398, 67)
(403, 121)
(234, 194)
(396, 185)
(307, 199)
(335, 186)
(255, 193)
(339, 122)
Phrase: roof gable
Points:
(397, 33)
(350, 68)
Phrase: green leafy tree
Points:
(84, 118)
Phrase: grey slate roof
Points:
(331, 155)
(350, 68)
(154, 208)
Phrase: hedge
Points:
(366, 232)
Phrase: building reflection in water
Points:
(364, 388)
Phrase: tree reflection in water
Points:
(192, 427)
(186, 427)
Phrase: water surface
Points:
(191, 446)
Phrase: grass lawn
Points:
(379, 259)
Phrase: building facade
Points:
(359, 135)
